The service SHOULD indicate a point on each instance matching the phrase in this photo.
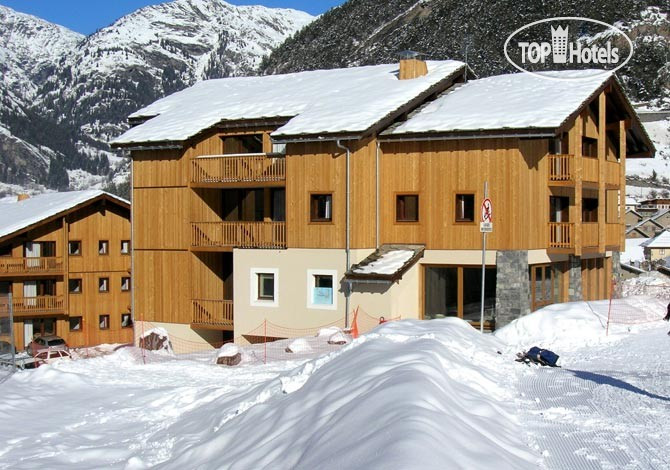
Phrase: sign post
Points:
(485, 226)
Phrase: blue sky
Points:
(86, 17)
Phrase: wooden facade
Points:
(226, 189)
(73, 288)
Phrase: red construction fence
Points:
(269, 341)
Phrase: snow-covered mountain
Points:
(65, 95)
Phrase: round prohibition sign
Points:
(487, 210)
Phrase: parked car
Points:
(46, 342)
(49, 356)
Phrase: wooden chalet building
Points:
(297, 198)
(65, 258)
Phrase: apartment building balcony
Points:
(238, 170)
(224, 236)
(212, 314)
(562, 235)
(562, 169)
(590, 234)
(39, 305)
(13, 267)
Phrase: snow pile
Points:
(388, 263)
(299, 345)
(331, 330)
(228, 350)
(577, 324)
(156, 340)
(653, 284)
(384, 401)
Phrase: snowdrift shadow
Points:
(607, 380)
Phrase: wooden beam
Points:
(622, 183)
(602, 163)
(575, 144)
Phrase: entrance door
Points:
(27, 331)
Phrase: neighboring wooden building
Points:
(657, 248)
(65, 258)
(297, 198)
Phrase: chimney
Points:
(411, 66)
(22, 197)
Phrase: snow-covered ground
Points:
(413, 394)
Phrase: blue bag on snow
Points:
(542, 356)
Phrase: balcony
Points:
(561, 235)
(11, 267)
(212, 314)
(43, 304)
(238, 170)
(224, 236)
(561, 168)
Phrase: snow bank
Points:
(653, 284)
(390, 399)
(228, 350)
(299, 345)
(570, 326)
(634, 252)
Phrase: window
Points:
(264, 287)
(320, 289)
(125, 247)
(103, 322)
(103, 284)
(125, 284)
(103, 247)
(74, 248)
(661, 251)
(6, 250)
(321, 207)
(126, 320)
(75, 323)
(589, 210)
(465, 208)
(407, 208)
(74, 286)
(589, 147)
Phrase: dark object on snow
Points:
(155, 342)
(229, 360)
(667, 315)
(544, 357)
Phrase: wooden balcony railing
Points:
(30, 265)
(39, 304)
(561, 168)
(214, 313)
(238, 234)
(561, 235)
(237, 168)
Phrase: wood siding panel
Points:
(162, 286)
(438, 170)
(159, 168)
(163, 218)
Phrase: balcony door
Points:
(32, 250)
(559, 209)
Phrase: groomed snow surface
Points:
(408, 395)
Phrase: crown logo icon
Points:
(559, 44)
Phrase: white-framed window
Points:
(321, 289)
(264, 287)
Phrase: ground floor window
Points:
(455, 291)
(320, 289)
(547, 284)
(264, 287)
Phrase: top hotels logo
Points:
(566, 43)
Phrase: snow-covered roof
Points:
(17, 215)
(338, 101)
(634, 251)
(387, 263)
(662, 240)
(512, 101)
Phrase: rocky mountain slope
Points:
(63, 95)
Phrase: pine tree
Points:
(57, 177)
